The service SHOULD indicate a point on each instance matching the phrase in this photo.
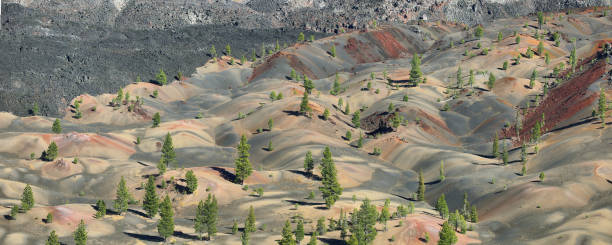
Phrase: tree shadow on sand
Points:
(139, 213)
(433, 182)
(306, 174)
(332, 241)
(304, 203)
(293, 113)
(143, 237)
(227, 175)
(183, 235)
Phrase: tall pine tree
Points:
(165, 227)
(415, 73)
(57, 127)
(80, 235)
(168, 153)
(362, 224)
(27, 198)
(249, 224)
(122, 198)
(308, 163)
(421, 190)
(192, 181)
(304, 107)
(53, 239)
(447, 235)
(287, 235)
(150, 203)
(243, 165)
(442, 207)
(212, 212)
(299, 231)
(199, 223)
(331, 189)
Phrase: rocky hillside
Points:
(95, 46)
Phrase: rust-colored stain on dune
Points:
(390, 45)
(562, 102)
(360, 51)
(292, 59)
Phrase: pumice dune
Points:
(396, 132)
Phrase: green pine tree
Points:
(304, 107)
(478, 32)
(49, 218)
(459, 78)
(500, 36)
(362, 224)
(35, 109)
(80, 235)
(313, 238)
(602, 106)
(14, 211)
(421, 190)
(161, 77)
(249, 224)
(415, 73)
(51, 153)
(447, 235)
(491, 81)
(150, 203)
(243, 165)
(228, 50)
(301, 37)
(235, 228)
(244, 238)
(308, 85)
(332, 51)
(161, 165)
(355, 119)
(122, 198)
(442, 207)
(199, 223)
(299, 231)
(385, 214)
(213, 51)
(474, 215)
(156, 119)
(57, 127)
(270, 124)
(168, 153)
(100, 209)
(331, 189)
(192, 181)
(532, 79)
(27, 198)
(308, 163)
(212, 215)
(540, 19)
(321, 226)
(325, 114)
(165, 227)
(287, 235)
(53, 239)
